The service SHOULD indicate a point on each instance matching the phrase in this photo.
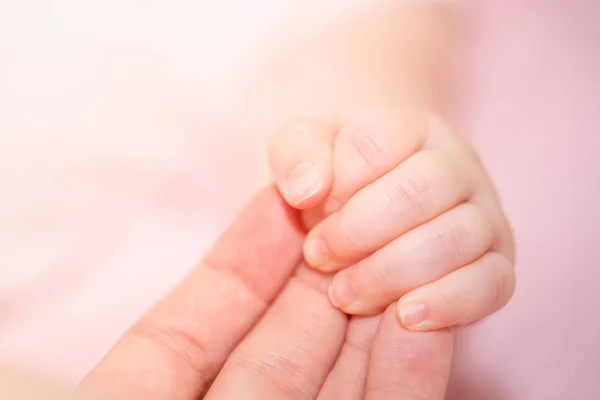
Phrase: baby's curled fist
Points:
(398, 206)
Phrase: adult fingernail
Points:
(316, 253)
(412, 314)
(303, 182)
(342, 292)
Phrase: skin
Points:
(253, 322)
(398, 204)
(399, 207)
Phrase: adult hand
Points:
(249, 323)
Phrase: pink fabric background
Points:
(111, 134)
(534, 117)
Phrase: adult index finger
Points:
(175, 351)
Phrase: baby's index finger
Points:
(369, 146)
(300, 156)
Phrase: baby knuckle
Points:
(369, 145)
(505, 282)
(500, 280)
(410, 193)
(479, 229)
(380, 278)
(351, 235)
(506, 239)
(454, 302)
(453, 239)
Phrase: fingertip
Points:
(460, 298)
(347, 294)
(316, 252)
(300, 156)
(424, 311)
(319, 255)
(408, 365)
(303, 185)
(413, 316)
(343, 294)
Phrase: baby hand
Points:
(398, 207)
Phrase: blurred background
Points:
(132, 132)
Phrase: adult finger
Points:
(289, 354)
(346, 381)
(175, 351)
(300, 155)
(407, 365)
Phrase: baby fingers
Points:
(426, 185)
(460, 298)
(457, 239)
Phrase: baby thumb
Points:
(300, 156)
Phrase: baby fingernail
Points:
(316, 252)
(331, 206)
(303, 182)
(411, 314)
(342, 292)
